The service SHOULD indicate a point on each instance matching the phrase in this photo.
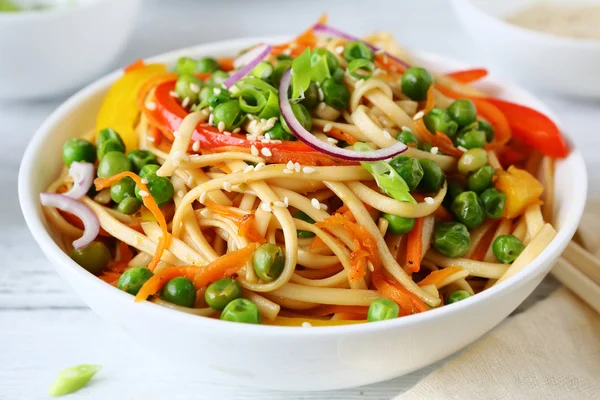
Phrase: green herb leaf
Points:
(319, 67)
(8, 6)
(72, 379)
(301, 73)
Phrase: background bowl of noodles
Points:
(289, 358)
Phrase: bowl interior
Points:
(42, 163)
(504, 8)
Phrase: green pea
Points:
(160, 187)
(335, 94)
(279, 133)
(311, 96)
(269, 261)
(241, 310)
(72, 379)
(263, 70)
(457, 296)
(93, 258)
(278, 71)
(122, 189)
(207, 65)
(148, 169)
(338, 75)
(112, 163)
(463, 111)
(398, 225)
(452, 239)
(481, 179)
(358, 49)
(468, 210)
(409, 169)
(493, 203)
(139, 158)
(301, 114)
(332, 61)
(129, 205)
(471, 139)
(79, 150)
(407, 138)
(488, 129)
(472, 160)
(415, 83)
(454, 189)
(188, 87)
(301, 215)
(179, 291)
(507, 248)
(217, 78)
(438, 120)
(133, 279)
(108, 140)
(220, 293)
(186, 65)
(230, 113)
(433, 176)
(382, 309)
(221, 96)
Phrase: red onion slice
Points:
(258, 54)
(328, 30)
(310, 140)
(83, 178)
(90, 220)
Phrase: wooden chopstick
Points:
(578, 282)
(583, 260)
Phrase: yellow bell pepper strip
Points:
(119, 110)
(521, 188)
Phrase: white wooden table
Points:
(44, 327)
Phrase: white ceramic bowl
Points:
(49, 52)
(561, 64)
(283, 357)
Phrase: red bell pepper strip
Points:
(169, 114)
(533, 128)
(468, 75)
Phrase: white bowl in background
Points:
(560, 64)
(49, 52)
(287, 358)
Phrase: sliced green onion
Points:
(263, 70)
(252, 101)
(361, 68)
(271, 109)
(257, 83)
(319, 67)
(301, 73)
(72, 379)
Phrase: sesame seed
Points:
(144, 181)
(287, 52)
(290, 165)
(185, 102)
(315, 203)
(378, 71)
(194, 87)
(308, 170)
(227, 133)
(173, 93)
(288, 171)
(279, 204)
(254, 150)
(236, 130)
(327, 127)
(339, 49)
(321, 106)
(434, 150)
(306, 324)
(266, 152)
(221, 126)
(196, 145)
(217, 91)
(298, 167)
(176, 134)
(227, 186)
(387, 135)
(202, 198)
(323, 206)
(249, 168)
(371, 268)
(265, 207)
(429, 200)
(259, 166)
(150, 139)
(321, 95)
(406, 128)
(286, 201)
(267, 136)
(462, 149)
(180, 193)
(210, 119)
(418, 115)
(332, 140)
(150, 105)
(143, 193)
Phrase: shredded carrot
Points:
(469, 75)
(125, 255)
(246, 223)
(407, 306)
(443, 214)
(437, 276)
(414, 246)
(430, 100)
(389, 64)
(224, 266)
(226, 63)
(341, 135)
(150, 204)
(137, 64)
(483, 245)
(110, 277)
(156, 283)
